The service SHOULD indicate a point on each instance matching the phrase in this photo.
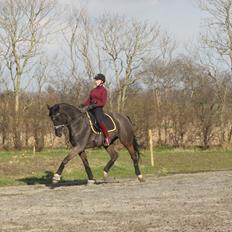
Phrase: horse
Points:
(82, 136)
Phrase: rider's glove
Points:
(92, 106)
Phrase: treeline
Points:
(46, 59)
(188, 107)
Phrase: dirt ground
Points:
(186, 202)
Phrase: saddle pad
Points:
(108, 120)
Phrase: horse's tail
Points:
(135, 142)
(136, 147)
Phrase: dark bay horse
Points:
(82, 137)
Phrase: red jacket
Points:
(97, 96)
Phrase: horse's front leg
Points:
(76, 150)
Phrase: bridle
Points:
(59, 126)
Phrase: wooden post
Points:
(151, 146)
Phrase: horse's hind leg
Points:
(113, 157)
(86, 165)
(135, 158)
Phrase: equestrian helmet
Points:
(101, 77)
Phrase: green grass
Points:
(24, 167)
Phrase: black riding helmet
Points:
(101, 77)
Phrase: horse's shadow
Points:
(47, 181)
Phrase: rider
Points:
(95, 103)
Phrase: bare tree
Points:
(126, 44)
(219, 24)
(77, 35)
(5, 118)
(217, 43)
(38, 108)
(160, 77)
(78, 51)
(111, 45)
(23, 26)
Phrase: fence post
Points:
(151, 146)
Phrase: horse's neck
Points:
(75, 120)
(72, 112)
(77, 129)
(75, 116)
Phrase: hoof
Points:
(90, 182)
(140, 178)
(105, 175)
(56, 178)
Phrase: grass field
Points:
(25, 168)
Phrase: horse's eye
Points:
(56, 117)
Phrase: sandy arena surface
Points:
(186, 202)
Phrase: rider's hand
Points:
(92, 106)
(83, 109)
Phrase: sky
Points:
(182, 19)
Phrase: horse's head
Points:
(58, 118)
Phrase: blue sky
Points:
(181, 18)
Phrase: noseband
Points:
(59, 126)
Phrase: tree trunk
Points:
(17, 132)
(39, 140)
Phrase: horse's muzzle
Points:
(58, 130)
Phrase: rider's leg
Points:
(105, 133)
(99, 114)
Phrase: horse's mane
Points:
(72, 107)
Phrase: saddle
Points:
(108, 120)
